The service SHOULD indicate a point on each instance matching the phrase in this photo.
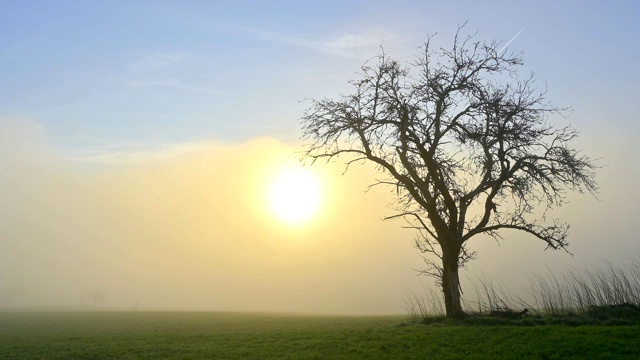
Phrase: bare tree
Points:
(466, 144)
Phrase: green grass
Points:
(208, 335)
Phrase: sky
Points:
(138, 140)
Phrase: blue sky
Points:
(102, 75)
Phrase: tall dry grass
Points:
(572, 291)
(427, 302)
(577, 290)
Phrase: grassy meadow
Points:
(211, 335)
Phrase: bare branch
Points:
(467, 149)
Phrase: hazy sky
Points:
(138, 140)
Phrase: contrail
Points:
(510, 41)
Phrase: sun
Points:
(294, 195)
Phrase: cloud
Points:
(165, 70)
(127, 154)
(186, 226)
(173, 83)
(349, 44)
(20, 136)
(158, 60)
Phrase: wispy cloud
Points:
(165, 70)
(137, 153)
(174, 84)
(158, 60)
(347, 44)
(254, 126)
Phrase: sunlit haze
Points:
(294, 194)
(151, 150)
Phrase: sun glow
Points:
(294, 195)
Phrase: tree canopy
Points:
(465, 141)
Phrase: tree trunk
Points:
(451, 285)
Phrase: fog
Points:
(186, 227)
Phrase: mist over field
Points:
(187, 228)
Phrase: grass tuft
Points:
(607, 294)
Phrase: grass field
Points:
(210, 335)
